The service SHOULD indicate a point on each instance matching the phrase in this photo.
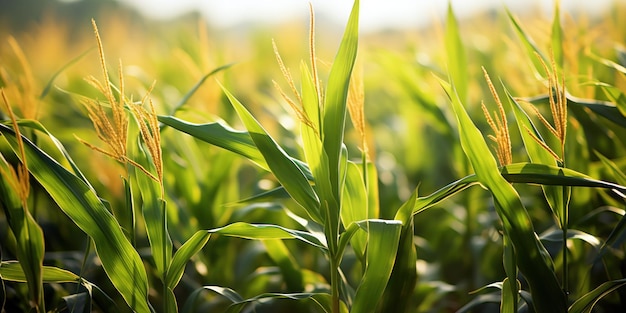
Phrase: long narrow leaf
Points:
(119, 259)
(281, 165)
(605, 109)
(383, 237)
(13, 271)
(586, 303)
(227, 138)
(530, 47)
(219, 135)
(537, 154)
(335, 105)
(455, 52)
(195, 87)
(184, 253)
(530, 173)
(530, 254)
(557, 36)
(280, 254)
(28, 234)
(267, 231)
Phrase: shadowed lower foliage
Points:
(302, 174)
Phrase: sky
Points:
(375, 14)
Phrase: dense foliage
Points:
(474, 166)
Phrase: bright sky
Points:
(374, 13)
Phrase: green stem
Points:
(334, 283)
(564, 226)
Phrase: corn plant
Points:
(335, 234)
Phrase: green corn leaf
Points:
(530, 48)
(402, 282)
(616, 95)
(616, 66)
(585, 303)
(556, 236)
(371, 183)
(455, 52)
(119, 259)
(48, 86)
(28, 234)
(195, 87)
(555, 195)
(219, 135)
(267, 231)
(557, 37)
(126, 216)
(510, 287)
(345, 237)
(277, 193)
(542, 174)
(354, 206)
(66, 160)
(383, 237)
(618, 174)
(314, 152)
(529, 173)
(615, 238)
(605, 109)
(238, 302)
(508, 302)
(13, 271)
(184, 254)
(281, 165)
(227, 138)
(533, 262)
(154, 211)
(279, 253)
(335, 105)
(153, 207)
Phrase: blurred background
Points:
(375, 15)
(47, 49)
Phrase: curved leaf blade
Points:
(288, 173)
(78, 201)
(532, 258)
(383, 238)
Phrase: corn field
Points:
(477, 165)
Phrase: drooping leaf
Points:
(12, 271)
(219, 135)
(531, 256)
(279, 162)
(605, 109)
(267, 231)
(586, 303)
(78, 201)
